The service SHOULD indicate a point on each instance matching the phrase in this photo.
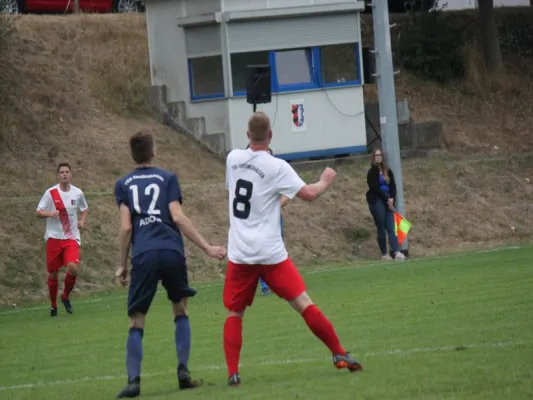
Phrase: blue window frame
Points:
(331, 58)
(307, 68)
(239, 61)
(293, 70)
(206, 78)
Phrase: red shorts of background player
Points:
(60, 252)
(241, 283)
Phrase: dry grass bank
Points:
(77, 96)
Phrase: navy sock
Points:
(263, 284)
(134, 352)
(183, 339)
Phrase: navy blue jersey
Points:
(147, 192)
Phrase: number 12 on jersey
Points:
(241, 202)
(152, 191)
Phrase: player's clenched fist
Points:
(122, 275)
(54, 214)
(216, 252)
(328, 175)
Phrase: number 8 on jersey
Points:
(241, 202)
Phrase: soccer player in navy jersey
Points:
(151, 223)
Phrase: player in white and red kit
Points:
(256, 182)
(60, 205)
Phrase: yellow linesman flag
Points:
(401, 227)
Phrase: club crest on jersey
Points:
(73, 202)
(149, 220)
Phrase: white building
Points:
(199, 50)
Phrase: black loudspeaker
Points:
(258, 84)
(369, 65)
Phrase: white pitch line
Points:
(93, 300)
(303, 271)
(44, 306)
(19, 310)
(392, 352)
(430, 258)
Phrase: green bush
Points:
(430, 49)
(516, 31)
(430, 44)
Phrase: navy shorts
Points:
(167, 266)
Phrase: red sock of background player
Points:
(322, 328)
(70, 281)
(52, 289)
(232, 343)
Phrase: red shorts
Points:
(60, 252)
(241, 283)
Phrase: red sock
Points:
(232, 343)
(52, 289)
(70, 281)
(322, 328)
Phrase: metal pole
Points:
(387, 98)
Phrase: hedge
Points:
(431, 44)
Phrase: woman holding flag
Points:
(380, 198)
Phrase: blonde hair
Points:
(259, 127)
(383, 167)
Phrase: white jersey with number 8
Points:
(256, 181)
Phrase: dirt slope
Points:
(78, 97)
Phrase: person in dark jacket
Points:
(380, 198)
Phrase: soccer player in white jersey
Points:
(256, 183)
(60, 205)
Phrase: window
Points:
(293, 69)
(206, 78)
(339, 64)
(239, 61)
(322, 67)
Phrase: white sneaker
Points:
(399, 256)
(386, 257)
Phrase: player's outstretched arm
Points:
(188, 229)
(314, 190)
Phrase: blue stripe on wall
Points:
(323, 153)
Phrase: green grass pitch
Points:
(457, 327)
